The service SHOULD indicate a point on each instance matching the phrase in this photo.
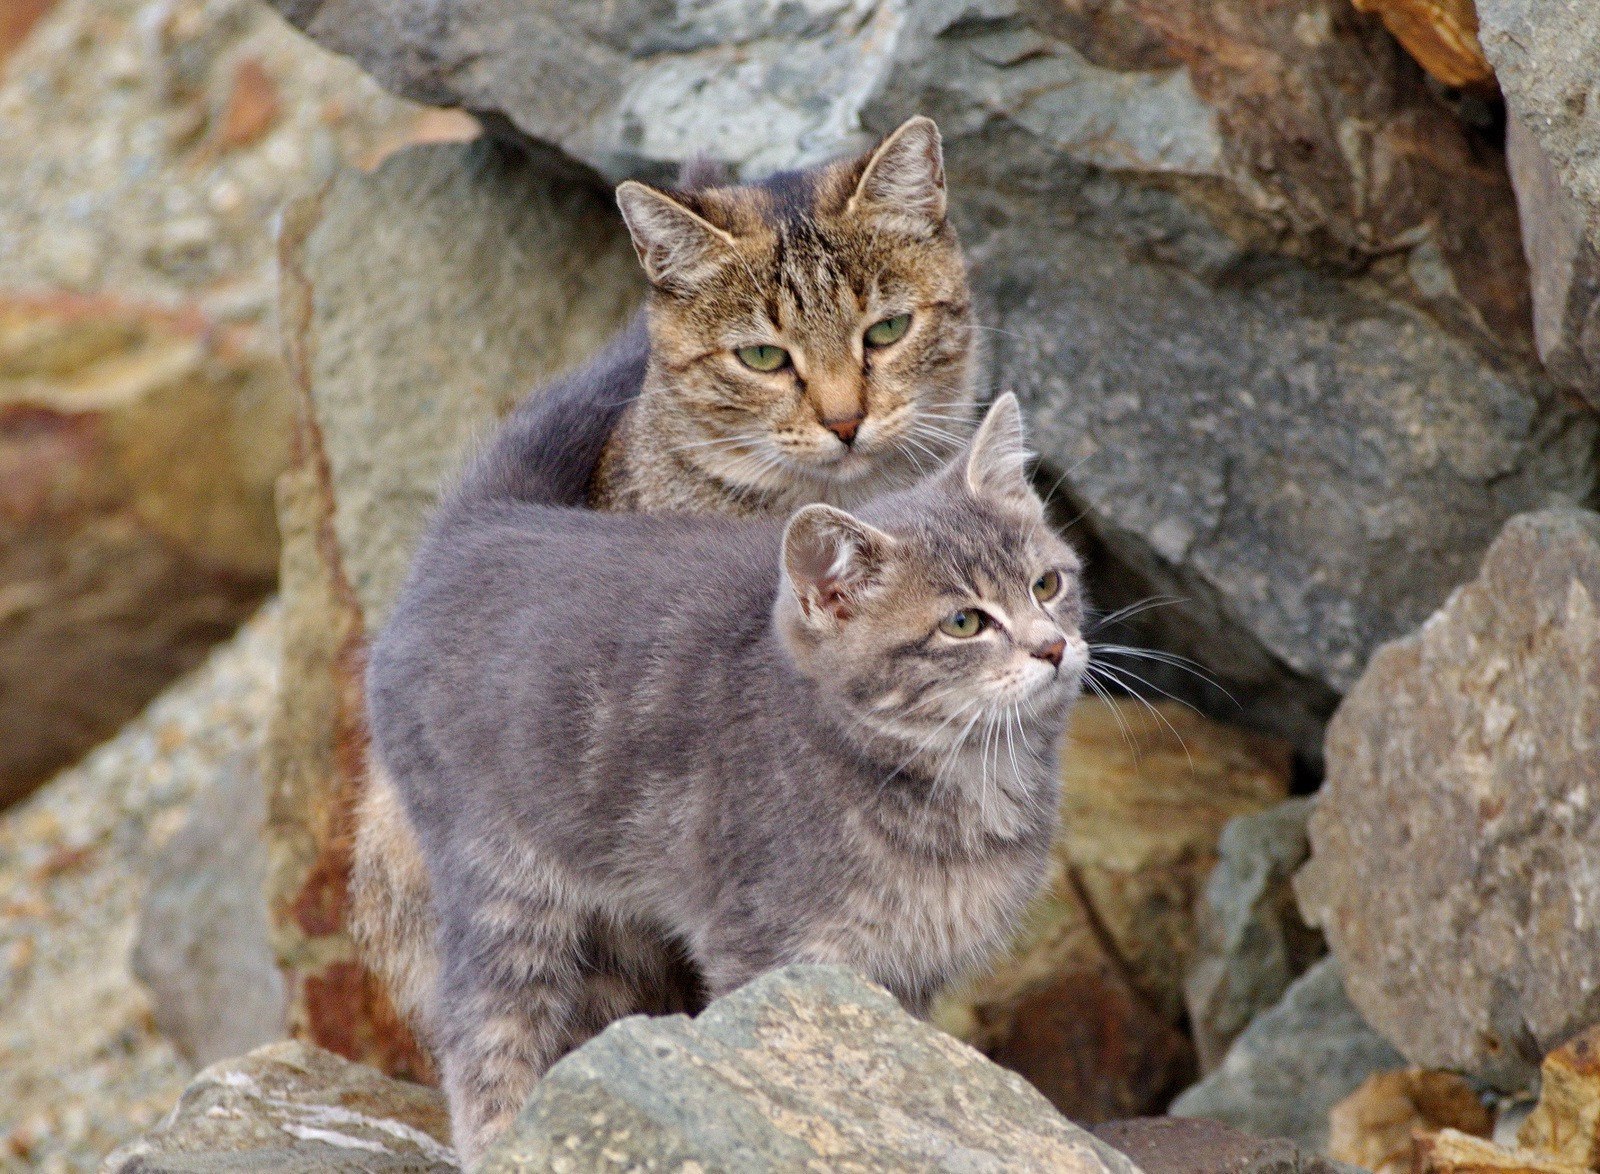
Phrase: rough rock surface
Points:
(805, 1068)
(1293, 1064)
(1189, 1145)
(145, 145)
(82, 1068)
(1566, 1121)
(1544, 53)
(1088, 1004)
(201, 951)
(295, 1109)
(1454, 844)
(1372, 1128)
(420, 303)
(1300, 453)
(1252, 942)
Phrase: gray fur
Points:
(630, 742)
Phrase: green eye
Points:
(889, 330)
(763, 358)
(1047, 586)
(969, 621)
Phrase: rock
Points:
(1252, 942)
(82, 1066)
(202, 942)
(144, 408)
(1088, 1006)
(1262, 293)
(1372, 1128)
(1293, 1064)
(807, 1067)
(1544, 54)
(1441, 34)
(1452, 1152)
(297, 1109)
(1566, 1121)
(1185, 1145)
(1563, 263)
(1451, 844)
(419, 303)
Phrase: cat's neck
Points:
(990, 781)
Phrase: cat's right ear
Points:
(678, 249)
(830, 560)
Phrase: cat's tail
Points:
(547, 451)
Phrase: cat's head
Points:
(814, 328)
(942, 606)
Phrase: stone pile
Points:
(145, 146)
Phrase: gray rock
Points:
(201, 949)
(1563, 262)
(1303, 456)
(805, 1068)
(291, 1108)
(1545, 54)
(1293, 1064)
(1453, 845)
(1252, 942)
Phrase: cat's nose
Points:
(845, 427)
(1052, 651)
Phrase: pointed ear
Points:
(996, 464)
(677, 248)
(830, 559)
(903, 184)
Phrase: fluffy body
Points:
(738, 744)
(668, 419)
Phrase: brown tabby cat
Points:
(806, 339)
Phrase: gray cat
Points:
(629, 740)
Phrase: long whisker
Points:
(1144, 701)
(1171, 659)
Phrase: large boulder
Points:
(1293, 1064)
(805, 1068)
(420, 303)
(1453, 844)
(1088, 1004)
(144, 408)
(1309, 454)
(295, 1109)
(83, 1066)
(1544, 55)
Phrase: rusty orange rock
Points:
(1452, 1152)
(1373, 1127)
(1441, 34)
(1566, 1121)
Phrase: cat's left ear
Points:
(678, 248)
(830, 559)
(903, 183)
(996, 463)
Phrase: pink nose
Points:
(845, 427)
(1052, 651)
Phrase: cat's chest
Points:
(931, 922)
